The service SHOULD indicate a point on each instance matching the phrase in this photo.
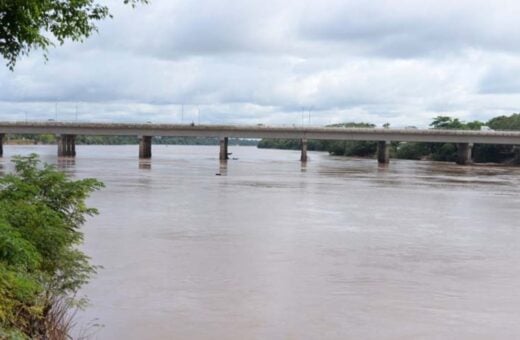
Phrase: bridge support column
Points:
(145, 147)
(383, 152)
(516, 149)
(2, 144)
(303, 156)
(223, 155)
(67, 146)
(464, 153)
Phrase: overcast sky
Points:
(250, 62)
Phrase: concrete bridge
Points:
(67, 133)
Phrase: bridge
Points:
(67, 132)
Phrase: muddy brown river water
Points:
(271, 249)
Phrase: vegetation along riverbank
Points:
(41, 268)
(434, 151)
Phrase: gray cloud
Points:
(408, 29)
(501, 77)
(401, 62)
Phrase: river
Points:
(338, 248)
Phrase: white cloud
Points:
(381, 61)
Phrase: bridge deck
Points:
(296, 132)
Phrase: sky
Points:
(279, 62)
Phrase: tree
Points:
(41, 267)
(38, 24)
(445, 122)
(505, 122)
(340, 148)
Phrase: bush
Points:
(412, 150)
(445, 152)
(41, 212)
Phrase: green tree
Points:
(41, 212)
(39, 24)
(474, 125)
(499, 153)
(505, 122)
(410, 150)
(340, 148)
(440, 151)
(446, 122)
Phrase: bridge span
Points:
(67, 132)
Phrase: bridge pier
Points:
(66, 146)
(2, 144)
(464, 153)
(516, 150)
(223, 155)
(383, 152)
(303, 156)
(145, 147)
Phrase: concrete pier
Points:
(66, 146)
(464, 153)
(303, 156)
(2, 144)
(383, 152)
(145, 147)
(517, 154)
(223, 155)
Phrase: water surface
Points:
(271, 249)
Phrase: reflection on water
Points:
(145, 164)
(273, 249)
(65, 163)
(222, 171)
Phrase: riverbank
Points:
(442, 152)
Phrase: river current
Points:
(264, 247)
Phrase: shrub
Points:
(41, 212)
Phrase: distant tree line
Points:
(334, 147)
(482, 153)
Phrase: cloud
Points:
(381, 61)
(410, 29)
(501, 77)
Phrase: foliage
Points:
(41, 212)
(505, 123)
(38, 24)
(491, 153)
(32, 139)
(409, 150)
(107, 140)
(351, 148)
(284, 144)
(413, 150)
(450, 123)
(445, 122)
(342, 148)
(446, 152)
(499, 153)
(482, 153)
